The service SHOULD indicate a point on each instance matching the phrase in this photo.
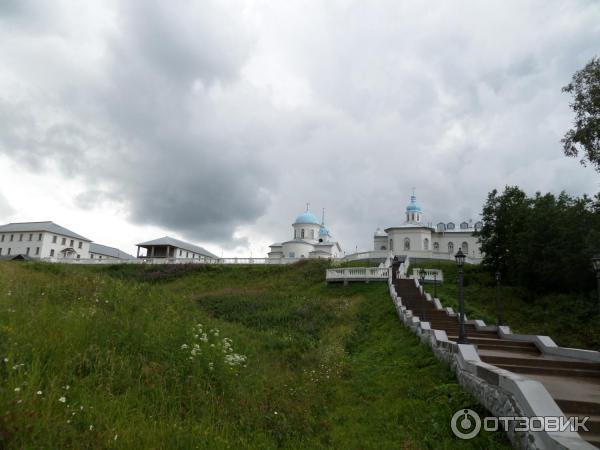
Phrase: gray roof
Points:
(50, 227)
(109, 251)
(179, 244)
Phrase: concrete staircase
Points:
(573, 383)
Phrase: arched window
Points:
(451, 247)
(391, 244)
(382, 247)
(295, 234)
(302, 234)
(312, 234)
(436, 246)
(406, 244)
(465, 248)
(450, 226)
(426, 244)
(441, 226)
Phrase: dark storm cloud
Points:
(145, 131)
(212, 115)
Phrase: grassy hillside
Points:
(214, 357)
(570, 319)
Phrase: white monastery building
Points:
(171, 248)
(104, 252)
(42, 240)
(311, 239)
(417, 240)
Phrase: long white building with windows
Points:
(42, 240)
(415, 239)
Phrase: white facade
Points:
(42, 240)
(417, 240)
(104, 252)
(171, 248)
(310, 239)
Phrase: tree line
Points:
(544, 242)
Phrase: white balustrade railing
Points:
(431, 275)
(357, 273)
(143, 260)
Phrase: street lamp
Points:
(499, 305)
(596, 264)
(422, 276)
(462, 331)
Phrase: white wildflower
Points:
(39, 392)
(5, 359)
(17, 389)
(91, 427)
(62, 399)
(184, 346)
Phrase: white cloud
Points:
(217, 121)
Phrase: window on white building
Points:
(2, 238)
(426, 244)
(382, 247)
(180, 252)
(21, 237)
(465, 248)
(63, 241)
(72, 243)
(78, 256)
(450, 247)
(312, 234)
(91, 256)
(12, 237)
(37, 250)
(292, 254)
(391, 244)
(80, 244)
(302, 234)
(27, 251)
(52, 253)
(0, 250)
(31, 236)
(406, 244)
(436, 246)
(8, 251)
(40, 237)
(54, 239)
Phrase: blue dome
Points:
(323, 231)
(413, 206)
(307, 217)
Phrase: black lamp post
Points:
(499, 305)
(462, 331)
(422, 276)
(596, 264)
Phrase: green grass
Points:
(572, 320)
(325, 366)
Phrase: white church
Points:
(311, 239)
(415, 239)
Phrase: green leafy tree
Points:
(542, 243)
(584, 138)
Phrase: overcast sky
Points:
(217, 121)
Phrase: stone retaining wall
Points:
(501, 392)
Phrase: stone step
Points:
(577, 408)
(591, 437)
(540, 363)
(561, 371)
